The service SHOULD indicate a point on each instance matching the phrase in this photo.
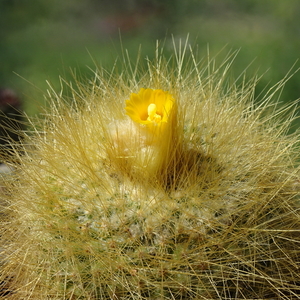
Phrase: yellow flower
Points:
(150, 106)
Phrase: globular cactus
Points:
(167, 182)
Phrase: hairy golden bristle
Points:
(199, 200)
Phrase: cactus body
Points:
(199, 200)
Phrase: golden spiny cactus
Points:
(164, 183)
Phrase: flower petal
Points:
(149, 106)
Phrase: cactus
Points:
(168, 182)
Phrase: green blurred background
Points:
(41, 40)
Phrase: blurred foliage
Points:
(42, 40)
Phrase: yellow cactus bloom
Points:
(150, 106)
